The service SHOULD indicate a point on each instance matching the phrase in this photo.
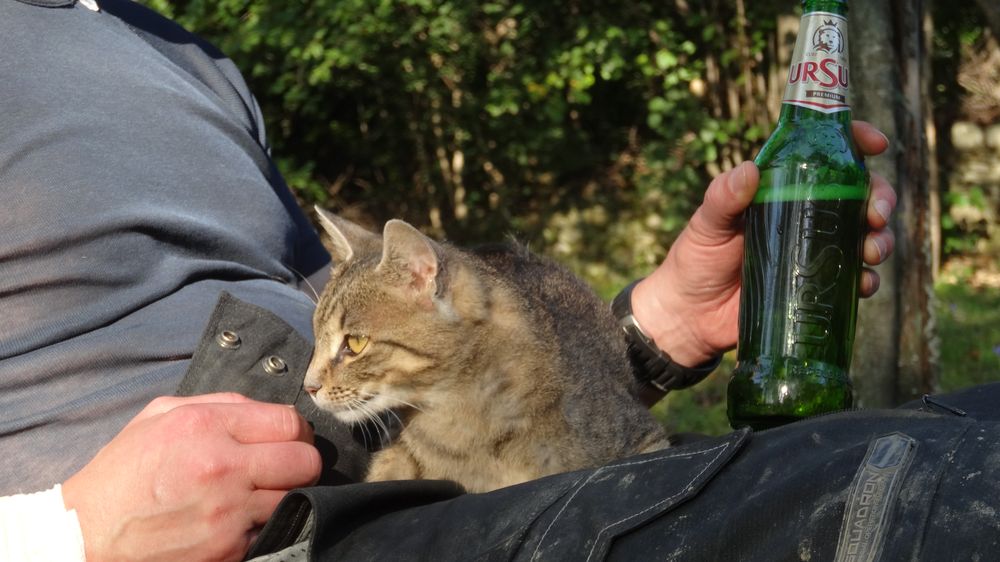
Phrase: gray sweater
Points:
(136, 185)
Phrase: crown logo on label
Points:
(828, 38)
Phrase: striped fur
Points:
(502, 366)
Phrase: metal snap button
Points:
(274, 365)
(228, 339)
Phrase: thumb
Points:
(726, 198)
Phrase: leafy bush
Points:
(590, 129)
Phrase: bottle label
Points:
(817, 78)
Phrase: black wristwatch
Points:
(650, 364)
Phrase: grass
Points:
(968, 323)
(969, 327)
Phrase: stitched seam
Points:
(610, 467)
(597, 540)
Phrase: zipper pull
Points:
(928, 401)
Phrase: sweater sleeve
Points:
(38, 527)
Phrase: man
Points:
(139, 197)
(137, 188)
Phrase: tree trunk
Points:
(933, 152)
(918, 345)
(874, 90)
(895, 357)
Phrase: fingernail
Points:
(883, 136)
(738, 186)
(880, 245)
(874, 281)
(883, 208)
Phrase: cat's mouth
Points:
(357, 409)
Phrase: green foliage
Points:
(701, 408)
(589, 129)
(965, 222)
(575, 125)
(969, 327)
(958, 33)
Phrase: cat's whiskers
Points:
(398, 419)
(460, 382)
(384, 435)
(315, 294)
(364, 430)
(396, 415)
(394, 399)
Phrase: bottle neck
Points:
(818, 81)
(834, 6)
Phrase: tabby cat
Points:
(502, 366)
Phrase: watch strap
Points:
(650, 364)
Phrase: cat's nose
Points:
(311, 389)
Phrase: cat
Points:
(502, 366)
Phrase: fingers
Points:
(880, 240)
(261, 504)
(282, 466)
(246, 420)
(729, 194)
(881, 202)
(878, 245)
(164, 404)
(208, 469)
(259, 422)
(869, 139)
(869, 282)
(275, 468)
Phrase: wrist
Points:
(651, 365)
(72, 493)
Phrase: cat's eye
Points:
(356, 343)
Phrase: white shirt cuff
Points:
(38, 527)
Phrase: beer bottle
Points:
(803, 237)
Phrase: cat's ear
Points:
(406, 248)
(346, 238)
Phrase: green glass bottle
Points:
(804, 231)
